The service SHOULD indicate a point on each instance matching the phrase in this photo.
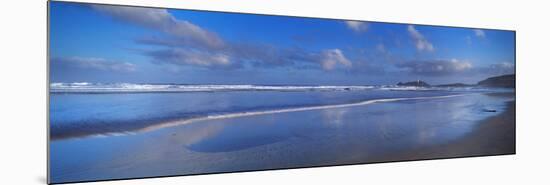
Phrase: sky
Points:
(120, 44)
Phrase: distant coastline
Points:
(503, 81)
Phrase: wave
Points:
(178, 122)
(84, 87)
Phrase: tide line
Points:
(286, 110)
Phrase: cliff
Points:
(507, 81)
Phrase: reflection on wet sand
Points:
(146, 127)
(339, 135)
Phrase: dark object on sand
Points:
(417, 83)
(489, 110)
(508, 81)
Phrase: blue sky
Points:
(111, 44)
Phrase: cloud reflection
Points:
(334, 117)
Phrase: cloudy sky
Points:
(99, 43)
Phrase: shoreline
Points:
(178, 122)
(495, 135)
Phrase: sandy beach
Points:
(493, 136)
(377, 132)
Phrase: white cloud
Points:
(500, 68)
(185, 43)
(479, 33)
(437, 67)
(421, 43)
(506, 65)
(95, 64)
(459, 65)
(182, 56)
(332, 58)
(162, 20)
(357, 26)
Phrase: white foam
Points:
(83, 87)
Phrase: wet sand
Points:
(493, 136)
(378, 132)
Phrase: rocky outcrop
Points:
(417, 83)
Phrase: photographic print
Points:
(139, 92)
